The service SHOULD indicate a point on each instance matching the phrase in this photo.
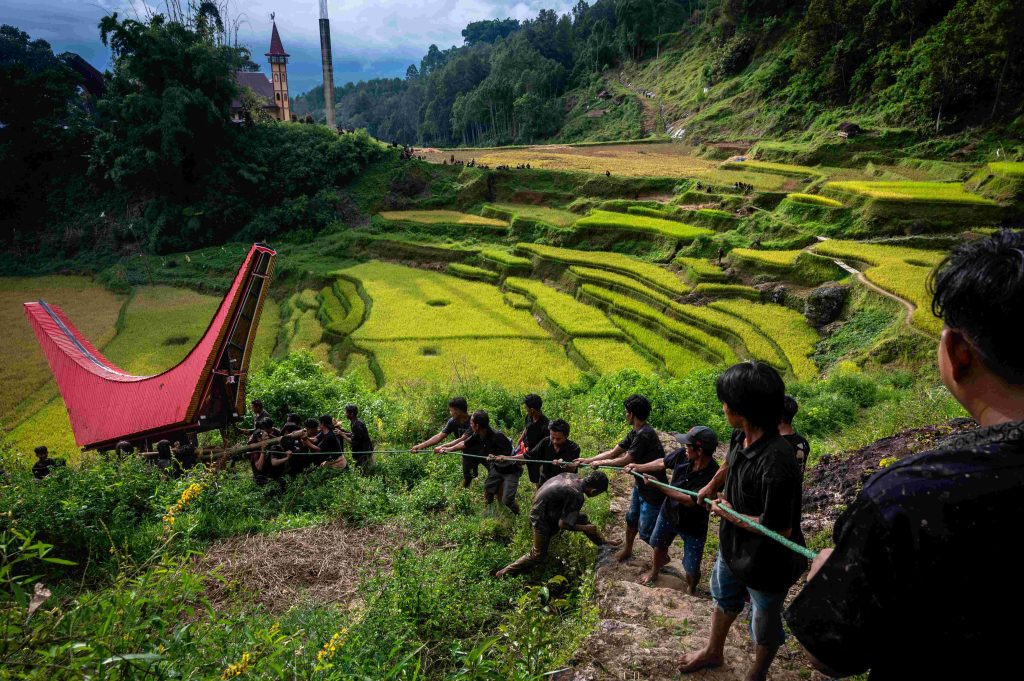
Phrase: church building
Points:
(273, 91)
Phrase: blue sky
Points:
(370, 38)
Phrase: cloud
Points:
(369, 38)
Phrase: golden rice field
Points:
(913, 192)
(441, 217)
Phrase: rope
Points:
(771, 534)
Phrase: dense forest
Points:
(935, 65)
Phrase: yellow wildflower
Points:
(238, 668)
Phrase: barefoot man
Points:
(640, 446)
(762, 481)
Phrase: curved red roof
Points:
(105, 404)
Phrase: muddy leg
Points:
(659, 561)
(763, 656)
(713, 654)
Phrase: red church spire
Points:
(276, 48)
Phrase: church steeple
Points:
(278, 59)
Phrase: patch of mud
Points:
(317, 564)
(835, 481)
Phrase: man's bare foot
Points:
(692, 662)
(647, 579)
(624, 554)
(500, 574)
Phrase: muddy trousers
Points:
(539, 551)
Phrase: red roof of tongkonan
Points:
(276, 48)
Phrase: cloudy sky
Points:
(371, 38)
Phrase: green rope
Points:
(771, 534)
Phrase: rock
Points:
(851, 129)
(825, 304)
(778, 295)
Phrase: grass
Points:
(506, 259)
(574, 318)
(784, 169)
(657, 277)
(815, 200)
(517, 363)
(678, 360)
(411, 304)
(626, 306)
(728, 291)
(553, 216)
(600, 219)
(614, 280)
(470, 272)
(788, 328)
(441, 217)
(26, 374)
(901, 271)
(608, 356)
(698, 269)
(1011, 169)
(912, 192)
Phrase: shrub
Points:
(788, 328)
(600, 219)
(728, 291)
(470, 272)
(658, 277)
(574, 318)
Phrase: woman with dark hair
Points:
(761, 481)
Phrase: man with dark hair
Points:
(459, 428)
(641, 445)
(892, 595)
(164, 456)
(305, 447)
(330, 445)
(41, 468)
(762, 482)
(556, 445)
(557, 506)
(801, 447)
(264, 430)
(535, 430)
(358, 437)
(503, 474)
(693, 466)
(123, 450)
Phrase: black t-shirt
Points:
(802, 449)
(644, 446)
(688, 520)
(897, 596)
(42, 468)
(535, 431)
(456, 429)
(260, 476)
(560, 498)
(362, 446)
(330, 443)
(493, 443)
(763, 481)
(545, 451)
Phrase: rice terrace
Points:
(421, 377)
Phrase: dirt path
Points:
(642, 631)
(653, 110)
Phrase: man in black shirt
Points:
(358, 438)
(801, 447)
(557, 506)
(457, 427)
(329, 445)
(893, 595)
(41, 468)
(693, 466)
(535, 430)
(556, 446)
(641, 445)
(503, 474)
(762, 482)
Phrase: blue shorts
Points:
(693, 545)
(765, 608)
(642, 516)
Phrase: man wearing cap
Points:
(693, 466)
